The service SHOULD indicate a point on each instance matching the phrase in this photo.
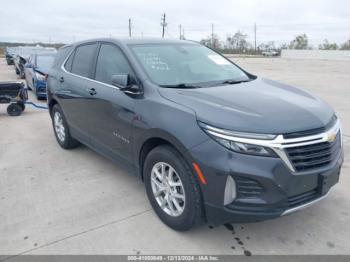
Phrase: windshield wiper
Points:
(182, 85)
(233, 82)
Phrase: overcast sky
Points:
(277, 20)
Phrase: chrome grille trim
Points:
(279, 143)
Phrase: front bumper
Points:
(40, 87)
(266, 187)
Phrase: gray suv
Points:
(211, 141)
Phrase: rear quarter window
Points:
(61, 56)
(69, 62)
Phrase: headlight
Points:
(231, 140)
(40, 77)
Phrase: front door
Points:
(111, 111)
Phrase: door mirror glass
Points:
(121, 80)
(126, 83)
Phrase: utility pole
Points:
(212, 35)
(129, 27)
(255, 37)
(183, 33)
(163, 24)
(180, 31)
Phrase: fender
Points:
(155, 133)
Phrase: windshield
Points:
(44, 61)
(189, 64)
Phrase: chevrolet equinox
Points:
(211, 141)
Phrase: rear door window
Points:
(83, 60)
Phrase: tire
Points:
(22, 105)
(14, 109)
(36, 94)
(62, 134)
(17, 71)
(192, 204)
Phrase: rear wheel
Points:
(14, 109)
(172, 189)
(36, 93)
(61, 129)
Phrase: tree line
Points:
(238, 43)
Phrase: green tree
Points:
(328, 46)
(283, 46)
(300, 42)
(345, 46)
(238, 41)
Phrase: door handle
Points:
(61, 79)
(92, 91)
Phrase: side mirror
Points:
(121, 80)
(126, 83)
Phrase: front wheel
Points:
(172, 189)
(61, 129)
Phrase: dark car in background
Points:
(210, 141)
(9, 54)
(20, 58)
(35, 70)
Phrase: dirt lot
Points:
(76, 202)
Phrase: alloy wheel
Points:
(168, 189)
(59, 127)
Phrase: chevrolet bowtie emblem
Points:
(331, 137)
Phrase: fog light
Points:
(230, 190)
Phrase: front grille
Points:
(247, 187)
(314, 156)
(303, 198)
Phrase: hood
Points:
(41, 70)
(258, 106)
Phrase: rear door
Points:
(76, 83)
(111, 110)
